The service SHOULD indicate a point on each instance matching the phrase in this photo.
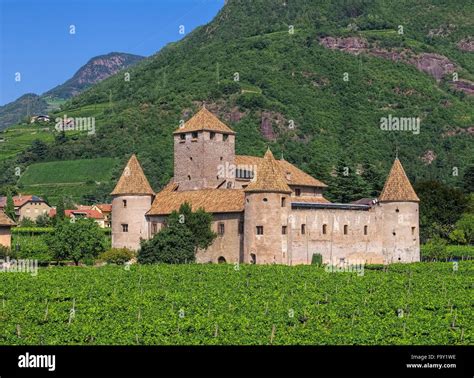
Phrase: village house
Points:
(264, 210)
(100, 213)
(27, 206)
(5, 230)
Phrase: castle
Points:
(264, 210)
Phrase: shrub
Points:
(117, 256)
(435, 249)
(5, 251)
(317, 259)
(32, 247)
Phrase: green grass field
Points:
(18, 138)
(422, 303)
(72, 178)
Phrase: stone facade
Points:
(282, 216)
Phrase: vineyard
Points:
(422, 303)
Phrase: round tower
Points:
(400, 218)
(267, 205)
(132, 199)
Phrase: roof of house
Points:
(105, 207)
(5, 220)
(398, 187)
(269, 177)
(309, 199)
(20, 200)
(291, 174)
(133, 180)
(211, 200)
(204, 120)
(88, 213)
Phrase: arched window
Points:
(221, 260)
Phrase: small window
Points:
(413, 229)
(241, 227)
(182, 136)
(229, 185)
(212, 135)
(394, 233)
(303, 229)
(265, 200)
(346, 229)
(283, 201)
(366, 228)
(253, 258)
(189, 177)
(297, 192)
(124, 227)
(191, 158)
(397, 211)
(224, 137)
(325, 229)
(283, 230)
(154, 228)
(259, 230)
(220, 229)
(221, 158)
(221, 260)
(124, 203)
(195, 135)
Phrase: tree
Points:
(347, 186)
(43, 220)
(76, 240)
(60, 211)
(463, 232)
(185, 232)
(10, 206)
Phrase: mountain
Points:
(312, 79)
(26, 105)
(94, 71)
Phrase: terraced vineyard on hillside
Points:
(422, 303)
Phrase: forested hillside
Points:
(271, 71)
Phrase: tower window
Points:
(182, 136)
(325, 229)
(366, 230)
(191, 158)
(124, 227)
(154, 228)
(283, 201)
(265, 200)
(212, 135)
(303, 229)
(284, 229)
(189, 177)
(224, 137)
(346, 229)
(397, 210)
(195, 135)
(220, 229)
(297, 192)
(413, 229)
(259, 230)
(124, 203)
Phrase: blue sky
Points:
(35, 37)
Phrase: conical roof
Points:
(133, 180)
(269, 177)
(398, 187)
(5, 220)
(204, 120)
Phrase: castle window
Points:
(253, 258)
(297, 192)
(303, 229)
(221, 260)
(229, 185)
(346, 229)
(325, 229)
(283, 201)
(284, 229)
(394, 233)
(124, 227)
(189, 177)
(220, 229)
(191, 158)
(194, 135)
(366, 230)
(259, 230)
(413, 231)
(182, 136)
(220, 158)
(397, 211)
(265, 200)
(241, 227)
(224, 137)
(154, 228)
(124, 203)
(212, 135)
